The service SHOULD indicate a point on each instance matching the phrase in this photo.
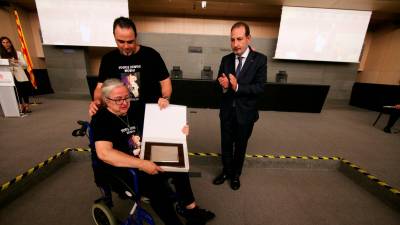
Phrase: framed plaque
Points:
(163, 140)
(165, 154)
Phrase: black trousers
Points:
(152, 186)
(234, 138)
(183, 189)
(394, 116)
(23, 89)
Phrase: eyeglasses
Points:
(119, 101)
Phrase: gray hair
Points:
(109, 85)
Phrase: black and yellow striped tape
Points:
(268, 156)
(293, 157)
(357, 168)
(204, 154)
(372, 177)
(81, 149)
(33, 169)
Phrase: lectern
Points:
(8, 99)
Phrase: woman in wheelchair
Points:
(114, 128)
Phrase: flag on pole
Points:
(24, 50)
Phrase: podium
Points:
(8, 99)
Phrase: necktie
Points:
(239, 67)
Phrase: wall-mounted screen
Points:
(321, 34)
(79, 22)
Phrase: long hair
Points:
(4, 53)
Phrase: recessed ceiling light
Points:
(203, 4)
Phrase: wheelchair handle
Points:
(82, 130)
(81, 122)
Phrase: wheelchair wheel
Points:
(102, 215)
(179, 208)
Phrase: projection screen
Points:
(321, 34)
(79, 22)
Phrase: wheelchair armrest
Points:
(81, 122)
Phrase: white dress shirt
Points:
(244, 57)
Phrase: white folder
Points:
(163, 129)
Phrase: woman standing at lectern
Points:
(17, 65)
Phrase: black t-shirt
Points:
(118, 130)
(141, 72)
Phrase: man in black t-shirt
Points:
(141, 68)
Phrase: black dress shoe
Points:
(235, 183)
(197, 215)
(220, 179)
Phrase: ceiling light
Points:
(203, 4)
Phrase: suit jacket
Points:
(251, 82)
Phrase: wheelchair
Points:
(101, 209)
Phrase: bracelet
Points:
(166, 98)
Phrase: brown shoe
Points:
(25, 109)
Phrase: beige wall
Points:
(94, 57)
(365, 51)
(35, 29)
(175, 25)
(201, 26)
(30, 27)
(8, 28)
(382, 65)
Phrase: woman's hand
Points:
(149, 167)
(13, 62)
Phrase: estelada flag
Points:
(24, 50)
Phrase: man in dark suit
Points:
(242, 76)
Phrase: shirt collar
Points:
(245, 53)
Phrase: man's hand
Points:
(397, 106)
(223, 81)
(233, 81)
(163, 103)
(94, 107)
(149, 167)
